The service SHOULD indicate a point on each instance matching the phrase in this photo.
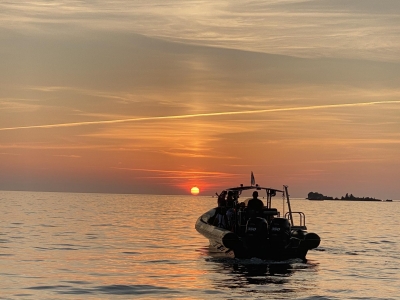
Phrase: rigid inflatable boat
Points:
(241, 230)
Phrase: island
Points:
(318, 196)
(347, 197)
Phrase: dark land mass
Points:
(347, 197)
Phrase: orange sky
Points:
(142, 98)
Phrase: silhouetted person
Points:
(230, 213)
(220, 219)
(221, 199)
(255, 203)
(229, 199)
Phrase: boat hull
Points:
(267, 246)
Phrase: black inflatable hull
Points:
(229, 243)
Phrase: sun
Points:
(195, 190)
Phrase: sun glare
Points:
(195, 190)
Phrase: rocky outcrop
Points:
(318, 196)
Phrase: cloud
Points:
(67, 155)
(7, 153)
(200, 115)
(197, 154)
(296, 28)
(18, 105)
(178, 174)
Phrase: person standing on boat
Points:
(221, 199)
(255, 203)
(230, 203)
(220, 219)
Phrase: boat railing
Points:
(301, 217)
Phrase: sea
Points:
(112, 246)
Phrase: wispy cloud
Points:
(122, 97)
(7, 153)
(197, 154)
(18, 104)
(67, 155)
(201, 115)
(301, 28)
(40, 146)
(181, 174)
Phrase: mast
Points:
(288, 203)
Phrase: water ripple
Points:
(117, 246)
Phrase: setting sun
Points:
(195, 190)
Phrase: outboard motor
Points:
(256, 231)
(279, 233)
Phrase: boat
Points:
(264, 233)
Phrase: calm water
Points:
(96, 246)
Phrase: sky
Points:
(160, 96)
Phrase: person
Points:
(255, 203)
(230, 203)
(221, 199)
(220, 219)
(229, 199)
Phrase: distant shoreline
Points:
(370, 200)
(315, 196)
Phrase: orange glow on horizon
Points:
(323, 118)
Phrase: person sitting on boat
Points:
(255, 203)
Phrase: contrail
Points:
(259, 111)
